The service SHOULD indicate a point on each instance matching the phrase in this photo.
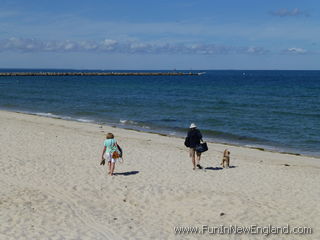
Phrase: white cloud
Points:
(295, 50)
(127, 47)
(256, 50)
(78, 28)
(107, 44)
(69, 46)
(289, 13)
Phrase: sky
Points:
(160, 35)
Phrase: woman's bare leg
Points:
(194, 162)
(198, 158)
(193, 158)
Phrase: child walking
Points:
(111, 152)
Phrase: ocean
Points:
(274, 110)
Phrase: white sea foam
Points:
(123, 121)
(84, 120)
(50, 115)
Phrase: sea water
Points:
(276, 110)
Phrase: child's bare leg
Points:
(112, 166)
(109, 166)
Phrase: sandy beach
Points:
(52, 186)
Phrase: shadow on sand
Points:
(126, 173)
(213, 168)
(218, 168)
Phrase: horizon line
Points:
(171, 70)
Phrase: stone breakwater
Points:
(98, 73)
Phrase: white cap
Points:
(193, 125)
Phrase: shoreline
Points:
(52, 186)
(163, 134)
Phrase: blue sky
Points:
(163, 34)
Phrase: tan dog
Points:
(226, 159)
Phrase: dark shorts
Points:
(193, 151)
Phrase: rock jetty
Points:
(98, 73)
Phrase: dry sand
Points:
(52, 186)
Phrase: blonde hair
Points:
(109, 136)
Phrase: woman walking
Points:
(192, 141)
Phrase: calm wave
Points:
(276, 110)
